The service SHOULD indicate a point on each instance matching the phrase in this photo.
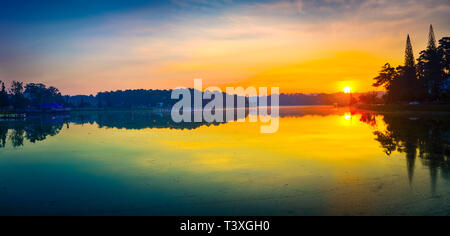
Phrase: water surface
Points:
(322, 161)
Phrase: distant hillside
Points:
(299, 99)
(161, 98)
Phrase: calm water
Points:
(323, 161)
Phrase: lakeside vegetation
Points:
(405, 107)
(425, 82)
(21, 97)
(38, 97)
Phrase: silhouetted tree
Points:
(4, 100)
(388, 78)
(405, 86)
(430, 68)
(387, 75)
(135, 98)
(18, 99)
(422, 82)
(39, 94)
(444, 50)
(409, 55)
(411, 84)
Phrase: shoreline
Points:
(379, 108)
(405, 108)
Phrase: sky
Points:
(301, 46)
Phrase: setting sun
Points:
(348, 89)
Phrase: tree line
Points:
(424, 81)
(20, 96)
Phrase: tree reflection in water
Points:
(38, 128)
(426, 137)
(34, 130)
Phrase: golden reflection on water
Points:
(321, 161)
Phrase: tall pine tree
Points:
(414, 89)
(430, 68)
(401, 83)
(405, 87)
(409, 55)
(431, 39)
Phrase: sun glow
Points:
(348, 116)
(348, 89)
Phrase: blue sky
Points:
(41, 11)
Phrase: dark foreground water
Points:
(322, 161)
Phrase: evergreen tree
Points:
(444, 50)
(430, 69)
(409, 54)
(431, 39)
(409, 85)
(401, 83)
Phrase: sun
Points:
(348, 116)
(348, 89)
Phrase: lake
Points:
(322, 161)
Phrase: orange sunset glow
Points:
(300, 46)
